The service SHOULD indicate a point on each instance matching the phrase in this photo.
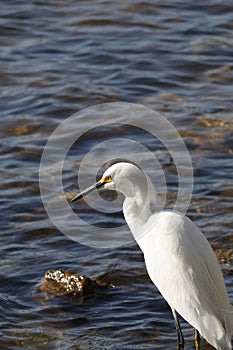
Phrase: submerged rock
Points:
(225, 256)
(64, 283)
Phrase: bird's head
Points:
(122, 177)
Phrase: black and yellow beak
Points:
(98, 184)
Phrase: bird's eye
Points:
(107, 179)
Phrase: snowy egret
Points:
(178, 258)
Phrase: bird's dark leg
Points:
(179, 331)
(197, 339)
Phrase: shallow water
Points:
(57, 58)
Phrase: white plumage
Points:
(178, 258)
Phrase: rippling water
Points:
(58, 57)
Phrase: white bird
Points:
(178, 258)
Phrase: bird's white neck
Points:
(138, 207)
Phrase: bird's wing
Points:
(183, 266)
